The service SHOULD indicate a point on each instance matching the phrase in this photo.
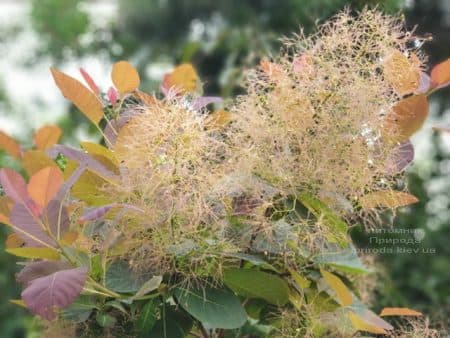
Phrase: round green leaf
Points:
(214, 308)
(257, 284)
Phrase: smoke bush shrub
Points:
(191, 222)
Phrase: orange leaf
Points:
(218, 119)
(13, 241)
(46, 137)
(361, 325)
(5, 209)
(183, 79)
(35, 160)
(401, 73)
(272, 70)
(406, 118)
(147, 99)
(69, 237)
(387, 198)
(399, 311)
(44, 185)
(125, 77)
(8, 144)
(341, 290)
(79, 95)
(440, 75)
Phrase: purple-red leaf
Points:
(202, 102)
(99, 212)
(39, 269)
(14, 185)
(27, 227)
(90, 82)
(46, 294)
(400, 157)
(96, 213)
(56, 217)
(113, 96)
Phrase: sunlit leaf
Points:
(440, 75)
(406, 118)
(387, 199)
(46, 294)
(320, 210)
(9, 145)
(79, 95)
(46, 137)
(341, 290)
(399, 311)
(361, 325)
(403, 74)
(99, 153)
(14, 185)
(89, 81)
(44, 185)
(301, 281)
(35, 160)
(125, 77)
(183, 79)
(41, 253)
(13, 241)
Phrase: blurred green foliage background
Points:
(222, 38)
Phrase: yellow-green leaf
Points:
(183, 79)
(301, 281)
(361, 325)
(406, 118)
(125, 77)
(46, 137)
(45, 184)
(342, 292)
(35, 160)
(440, 75)
(399, 311)
(19, 302)
(97, 149)
(387, 199)
(79, 95)
(42, 253)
